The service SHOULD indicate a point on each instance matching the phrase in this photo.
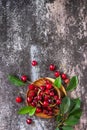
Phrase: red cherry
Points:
(19, 99)
(45, 111)
(39, 97)
(38, 110)
(49, 86)
(57, 74)
(56, 97)
(58, 101)
(32, 93)
(49, 108)
(52, 67)
(31, 87)
(45, 103)
(47, 91)
(46, 97)
(29, 121)
(51, 93)
(34, 63)
(24, 78)
(29, 99)
(50, 113)
(64, 76)
(66, 81)
(33, 104)
(43, 88)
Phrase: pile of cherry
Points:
(45, 97)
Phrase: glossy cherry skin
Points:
(34, 63)
(64, 76)
(66, 81)
(31, 87)
(19, 99)
(29, 99)
(38, 110)
(57, 74)
(48, 85)
(52, 67)
(58, 101)
(29, 121)
(45, 103)
(24, 78)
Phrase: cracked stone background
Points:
(50, 31)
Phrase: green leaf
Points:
(57, 128)
(64, 107)
(67, 128)
(72, 84)
(58, 118)
(27, 109)
(57, 82)
(71, 121)
(14, 80)
(75, 104)
(32, 111)
(77, 113)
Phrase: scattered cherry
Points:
(24, 78)
(66, 81)
(57, 74)
(34, 63)
(55, 97)
(29, 121)
(52, 67)
(19, 99)
(64, 76)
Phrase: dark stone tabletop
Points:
(49, 31)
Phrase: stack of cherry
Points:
(44, 98)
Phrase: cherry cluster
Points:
(44, 98)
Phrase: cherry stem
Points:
(29, 82)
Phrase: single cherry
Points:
(29, 121)
(32, 93)
(57, 74)
(19, 99)
(31, 87)
(33, 104)
(39, 97)
(47, 91)
(58, 101)
(55, 97)
(46, 97)
(50, 113)
(51, 93)
(29, 99)
(52, 67)
(45, 111)
(34, 63)
(45, 103)
(24, 78)
(43, 88)
(38, 110)
(48, 85)
(66, 81)
(64, 76)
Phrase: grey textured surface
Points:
(50, 32)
